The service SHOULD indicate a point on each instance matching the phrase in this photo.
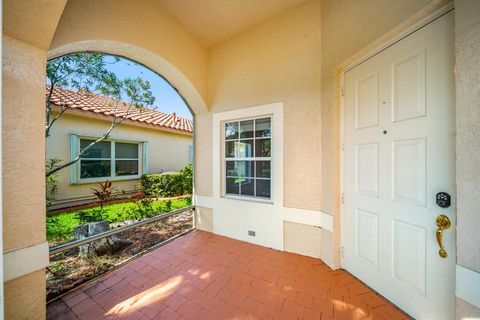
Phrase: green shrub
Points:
(187, 175)
(168, 184)
(162, 185)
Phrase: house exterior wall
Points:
(167, 151)
(277, 61)
(467, 68)
(341, 42)
(295, 59)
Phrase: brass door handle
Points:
(443, 223)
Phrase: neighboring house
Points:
(147, 141)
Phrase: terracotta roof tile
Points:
(96, 103)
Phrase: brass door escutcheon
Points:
(443, 223)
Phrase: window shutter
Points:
(73, 169)
(145, 157)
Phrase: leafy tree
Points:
(87, 72)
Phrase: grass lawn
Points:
(60, 225)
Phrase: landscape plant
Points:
(60, 225)
(164, 185)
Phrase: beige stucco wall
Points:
(142, 24)
(467, 68)
(25, 297)
(467, 61)
(167, 151)
(23, 177)
(23, 181)
(278, 61)
(203, 154)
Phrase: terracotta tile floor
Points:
(205, 276)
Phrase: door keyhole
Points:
(385, 131)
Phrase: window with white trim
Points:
(248, 158)
(108, 159)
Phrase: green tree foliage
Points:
(87, 72)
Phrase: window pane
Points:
(247, 187)
(232, 186)
(262, 169)
(94, 168)
(246, 129)
(230, 149)
(244, 168)
(99, 150)
(126, 167)
(126, 150)
(231, 130)
(262, 127)
(244, 149)
(263, 188)
(231, 170)
(263, 148)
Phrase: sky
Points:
(166, 98)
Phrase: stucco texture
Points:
(167, 151)
(22, 123)
(25, 297)
(146, 30)
(278, 61)
(467, 64)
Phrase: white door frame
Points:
(388, 43)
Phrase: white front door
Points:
(399, 152)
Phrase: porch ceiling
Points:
(205, 276)
(213, 21)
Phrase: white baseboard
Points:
(24, 261)
(467, 285)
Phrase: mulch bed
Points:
(67, 270)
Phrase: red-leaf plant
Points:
(104, 192)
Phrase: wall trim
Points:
(25, 261)
(304, 216)
(467, 285)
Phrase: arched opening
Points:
(124, 167)
(152, 61)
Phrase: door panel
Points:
(399, 136)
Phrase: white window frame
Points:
(253, 159)
(275, 110)
(142, 159)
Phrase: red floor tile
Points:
(205, 276)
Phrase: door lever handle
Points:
(443, 223)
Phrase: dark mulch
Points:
(67, 270)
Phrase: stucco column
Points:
(23, 145)
(467, 67)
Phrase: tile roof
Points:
(99, 104)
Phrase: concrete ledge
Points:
(25, 261)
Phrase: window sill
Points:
(248, 199)
(113, 179)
